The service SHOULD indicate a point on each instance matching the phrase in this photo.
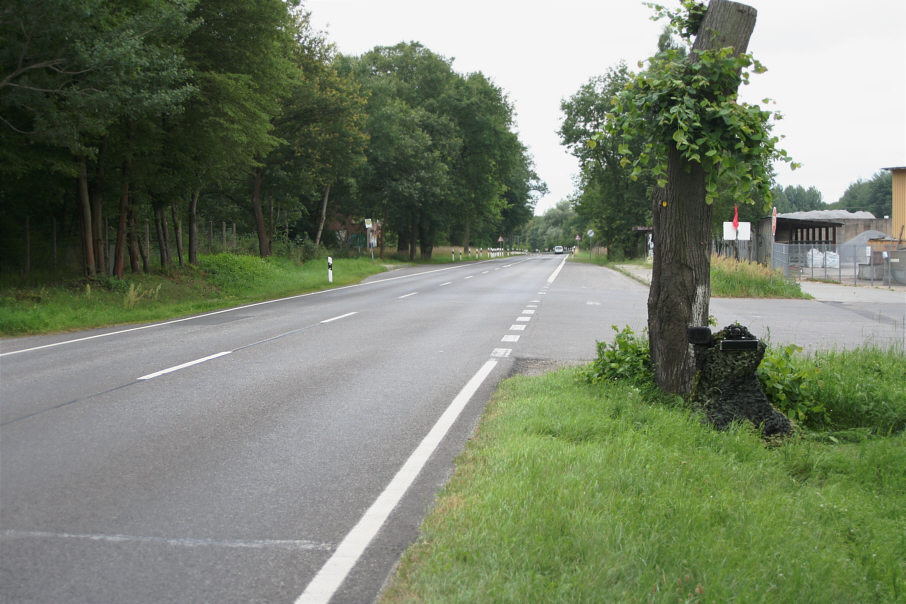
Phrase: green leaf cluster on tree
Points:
(144, 117)
(442, 160)
(611, 200)
(155, 111)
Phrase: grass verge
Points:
(730, 278)
(220, 281)
(580, 492)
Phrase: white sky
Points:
(836, 69)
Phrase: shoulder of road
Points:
(820, 290)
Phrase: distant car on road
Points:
(558, 249)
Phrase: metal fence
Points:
(858, 265)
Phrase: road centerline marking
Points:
(332, 319)
(407, 295)
(151, 376)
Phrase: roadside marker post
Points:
(329, 269)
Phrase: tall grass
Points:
(578, 492)
(220, 280)
(732, 278)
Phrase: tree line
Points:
(611, 199)
(115, 114)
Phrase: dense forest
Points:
(139, 125)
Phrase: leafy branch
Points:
(688, 101)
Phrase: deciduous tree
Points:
(699, 137)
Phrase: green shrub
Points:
(792, 384)
(838, 390)
(626, 358)
(234, 272)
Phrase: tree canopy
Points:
(148, 113)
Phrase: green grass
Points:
(730, 278)
(579, 492)
(220, 281)
(597, 257)
(742, 279)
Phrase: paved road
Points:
(287, 451)
(840, 316)
(233, 456)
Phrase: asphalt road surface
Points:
(284, 451)
(235, 456)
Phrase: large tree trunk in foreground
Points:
(681, 284)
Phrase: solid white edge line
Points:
(183, 366)
(349, 314)
(331, 576)
(556, 272)
(235, 308)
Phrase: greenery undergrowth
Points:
(219, 281)
(579, 487)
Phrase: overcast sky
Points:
(836, 69)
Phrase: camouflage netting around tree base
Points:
(727, 388)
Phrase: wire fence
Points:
(851, 264)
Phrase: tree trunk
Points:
(163, 237)
(53, 221)
(323, 215)
(264, 248)
(27, 264)
(467, 235)
(85, 202)
(681, 282)
(193, 227)
(97, 211)
(133, 241)
(426, 237)
(119, 255)
(177, 227)
(146, 262)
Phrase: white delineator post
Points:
(329, 269)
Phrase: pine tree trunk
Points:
(97, 211)
(177, 228)
(323, 215)
(119, 255)
(85, 202)
(163, 237)
(133, 242)
(264, 248)
(27, 264)
(193, 227)
(681, 283)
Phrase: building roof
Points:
(828, 215)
